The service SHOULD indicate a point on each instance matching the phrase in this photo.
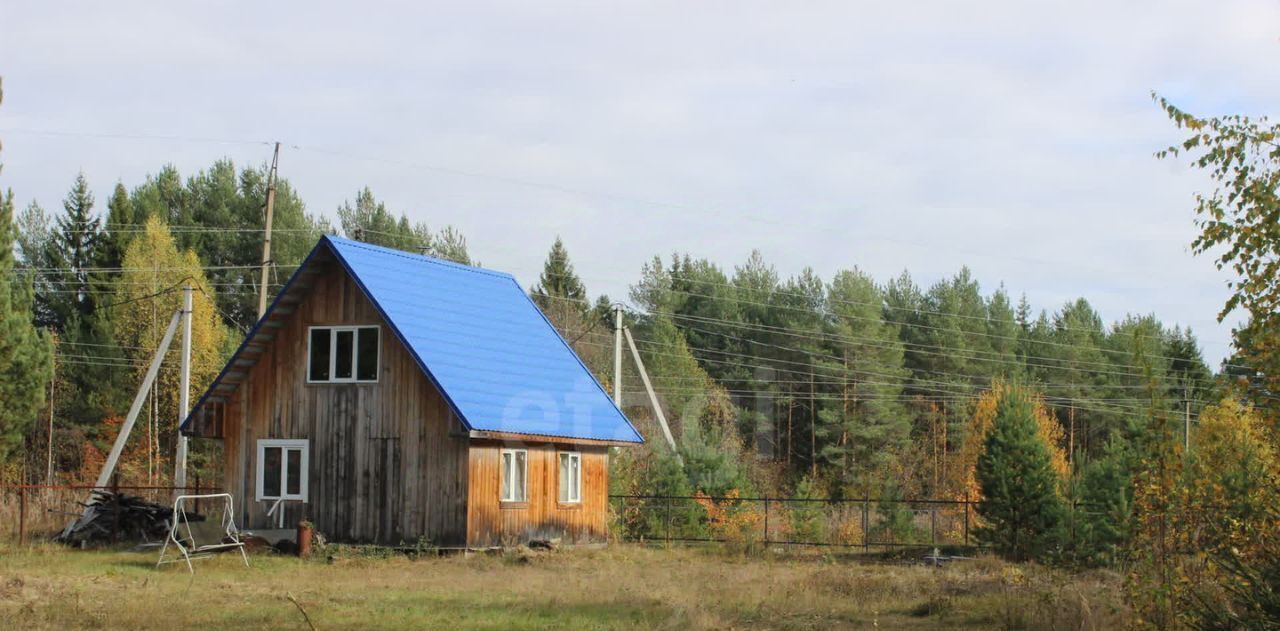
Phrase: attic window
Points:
(342, 354)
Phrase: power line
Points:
(943, 352)
(157, 294)
(944, 387)
(928, 349)
(974, 354)
(938, 349)
(882, 306)
(129, 136)
(66, 270)
(777, 291)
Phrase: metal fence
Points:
(38, 511)
(865, 523)
(31, 512)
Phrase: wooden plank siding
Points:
(494, 523)
(388, 461)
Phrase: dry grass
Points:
(622, 587)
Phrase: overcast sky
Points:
(1006, 136)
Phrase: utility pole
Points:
(653, 397)
(184, 395)
(1186, 429)
(1071, 435)
(48, 476)
(266, 235)
(123, 437)
(617, 355)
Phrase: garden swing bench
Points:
(183, 539)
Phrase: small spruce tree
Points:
(808, 518)
(1022, 509)
(558, 281)
(1104, 506)
(895, 522)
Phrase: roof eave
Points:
(522, 437)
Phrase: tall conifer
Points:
(25, 354)
(558, 282)
(1021, 505)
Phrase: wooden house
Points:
(389, 397)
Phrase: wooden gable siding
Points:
(494, 523)
(385, 466)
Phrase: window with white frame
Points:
(338, 354)
(282, 469)
(515, 467)
(570, 477)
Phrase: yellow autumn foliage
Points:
(739, 524)
(1189, 509)
(1232, 480)
(149, 291)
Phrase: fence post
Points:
(766, 521)
(1072, 516)
(668, 521)
(866, 534)
(933, 524)
(22, 515)
(115, 497)
(197, 493)
(966, 520)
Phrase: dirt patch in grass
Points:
(621, 587)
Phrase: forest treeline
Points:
(1083, 441)
(100, 282)
(849, 380)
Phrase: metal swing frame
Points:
(186, 548)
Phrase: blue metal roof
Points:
(487, 347)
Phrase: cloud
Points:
(1012, 137)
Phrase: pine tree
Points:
(26, 356)
(119, 228)
(1023, 314)
(1104, 505)
(25, 353)
(1074, 362)
(450, 245)
(864, 422)
(713, 461)
(368, 220)
(1002, 335)
(808, 518)
(895, 523)
(35, 238)
(1021, 503)
(961, 475)
(558, 283)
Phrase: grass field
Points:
(620, 587)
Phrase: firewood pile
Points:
(112, 517)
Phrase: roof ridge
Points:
(382, 249)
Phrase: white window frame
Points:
(285, 445)
(574, 484)
(355, 354)
(504, 472)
